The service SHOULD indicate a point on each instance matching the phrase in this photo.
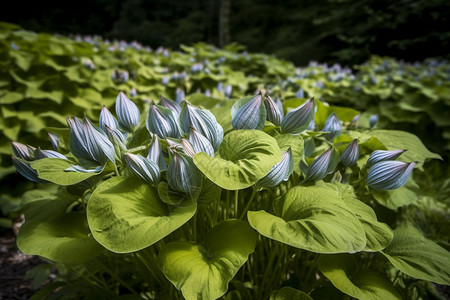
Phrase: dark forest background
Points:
(344, 31)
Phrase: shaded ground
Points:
(13, 267)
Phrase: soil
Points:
(13, 267)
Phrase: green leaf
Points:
(341, 270)
(204, 271)
(323, 112)
(394, 139)
(244, 157)
(296, 143)
(405, 195)
(52, 169)
(126, 215)
(11, 97)
(288, 293)
(65, 239)
(379, 235)
(313, 218)
(417, 256)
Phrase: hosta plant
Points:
(274, 201)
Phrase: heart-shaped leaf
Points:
(203, 271)
(65, 239)
(417, 256)
(244, 157)
(341, 270)
(288, 293)
(126, 215)
(313, 218)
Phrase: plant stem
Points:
(249, 203)
(236, 202)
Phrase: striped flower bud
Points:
(107, 119)
(182, 174)
(155, 153)
(333, 126)
(24, 169)
(179, 95)
(383, 155)
(187, 147)
(143, 168)
(170, 104)
(54, 139)
(48, 154)
(350, 154)
(389, 175)
(280, 172)
(247, 114)
(373, 120)
(274, 110)
(298, 120)
(322, 165)
(203, 121)
(89, 143)
(22, 151)
(162, 122)
(200, 143)
(127, 112)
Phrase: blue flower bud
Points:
(373, 120)
(208, 93)
(143, 167)
(127, 112)
(298, 120)
(203, 121)
(228, 90)
(170, 104)
(162, 122)
(48, 154)
(24, 169)
(54, 139)
(200, 143)
(247, 114)
(354, 122)
(179, 95)
(165, 80)
(187, 147)
(350, 155)
(220, 87)
(322, 165)
(106, 118)
(334, 126)
(300, 93)
(382, 155)
(280, 172)
(22, 151)
(273, 111)
(133, 92)
(389, 175)
(155, 153)
(182, 174)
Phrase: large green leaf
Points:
(417, 256)
(244, 157)
(405, 195)
(313, 218)
(126, 215)
(379, 235)
(342, 271)
(53, 169)
(288, 293)
(65, 238)
(204, 271)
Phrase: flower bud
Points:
(182, 174)
(107, 119)
(228, 90)
(24, 169)
(203, 121)
(300, 93)
(48, 154)
(155, 153)
(274, 110)
(280, 172)
(373, 120)
(382, 155)
(298, 120)
(321, 166)
(389, 175)
(334, 126)
(143, 167)
(250, 114)
(200, 143)
(22, 151)
(162, 122)
(170, 104)
(54, 139)
(187, 147)
(179, 95)
(127, 112)
(350, 154)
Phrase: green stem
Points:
(236, 202)
(249, 203)
(194, 227)
(116, 277)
